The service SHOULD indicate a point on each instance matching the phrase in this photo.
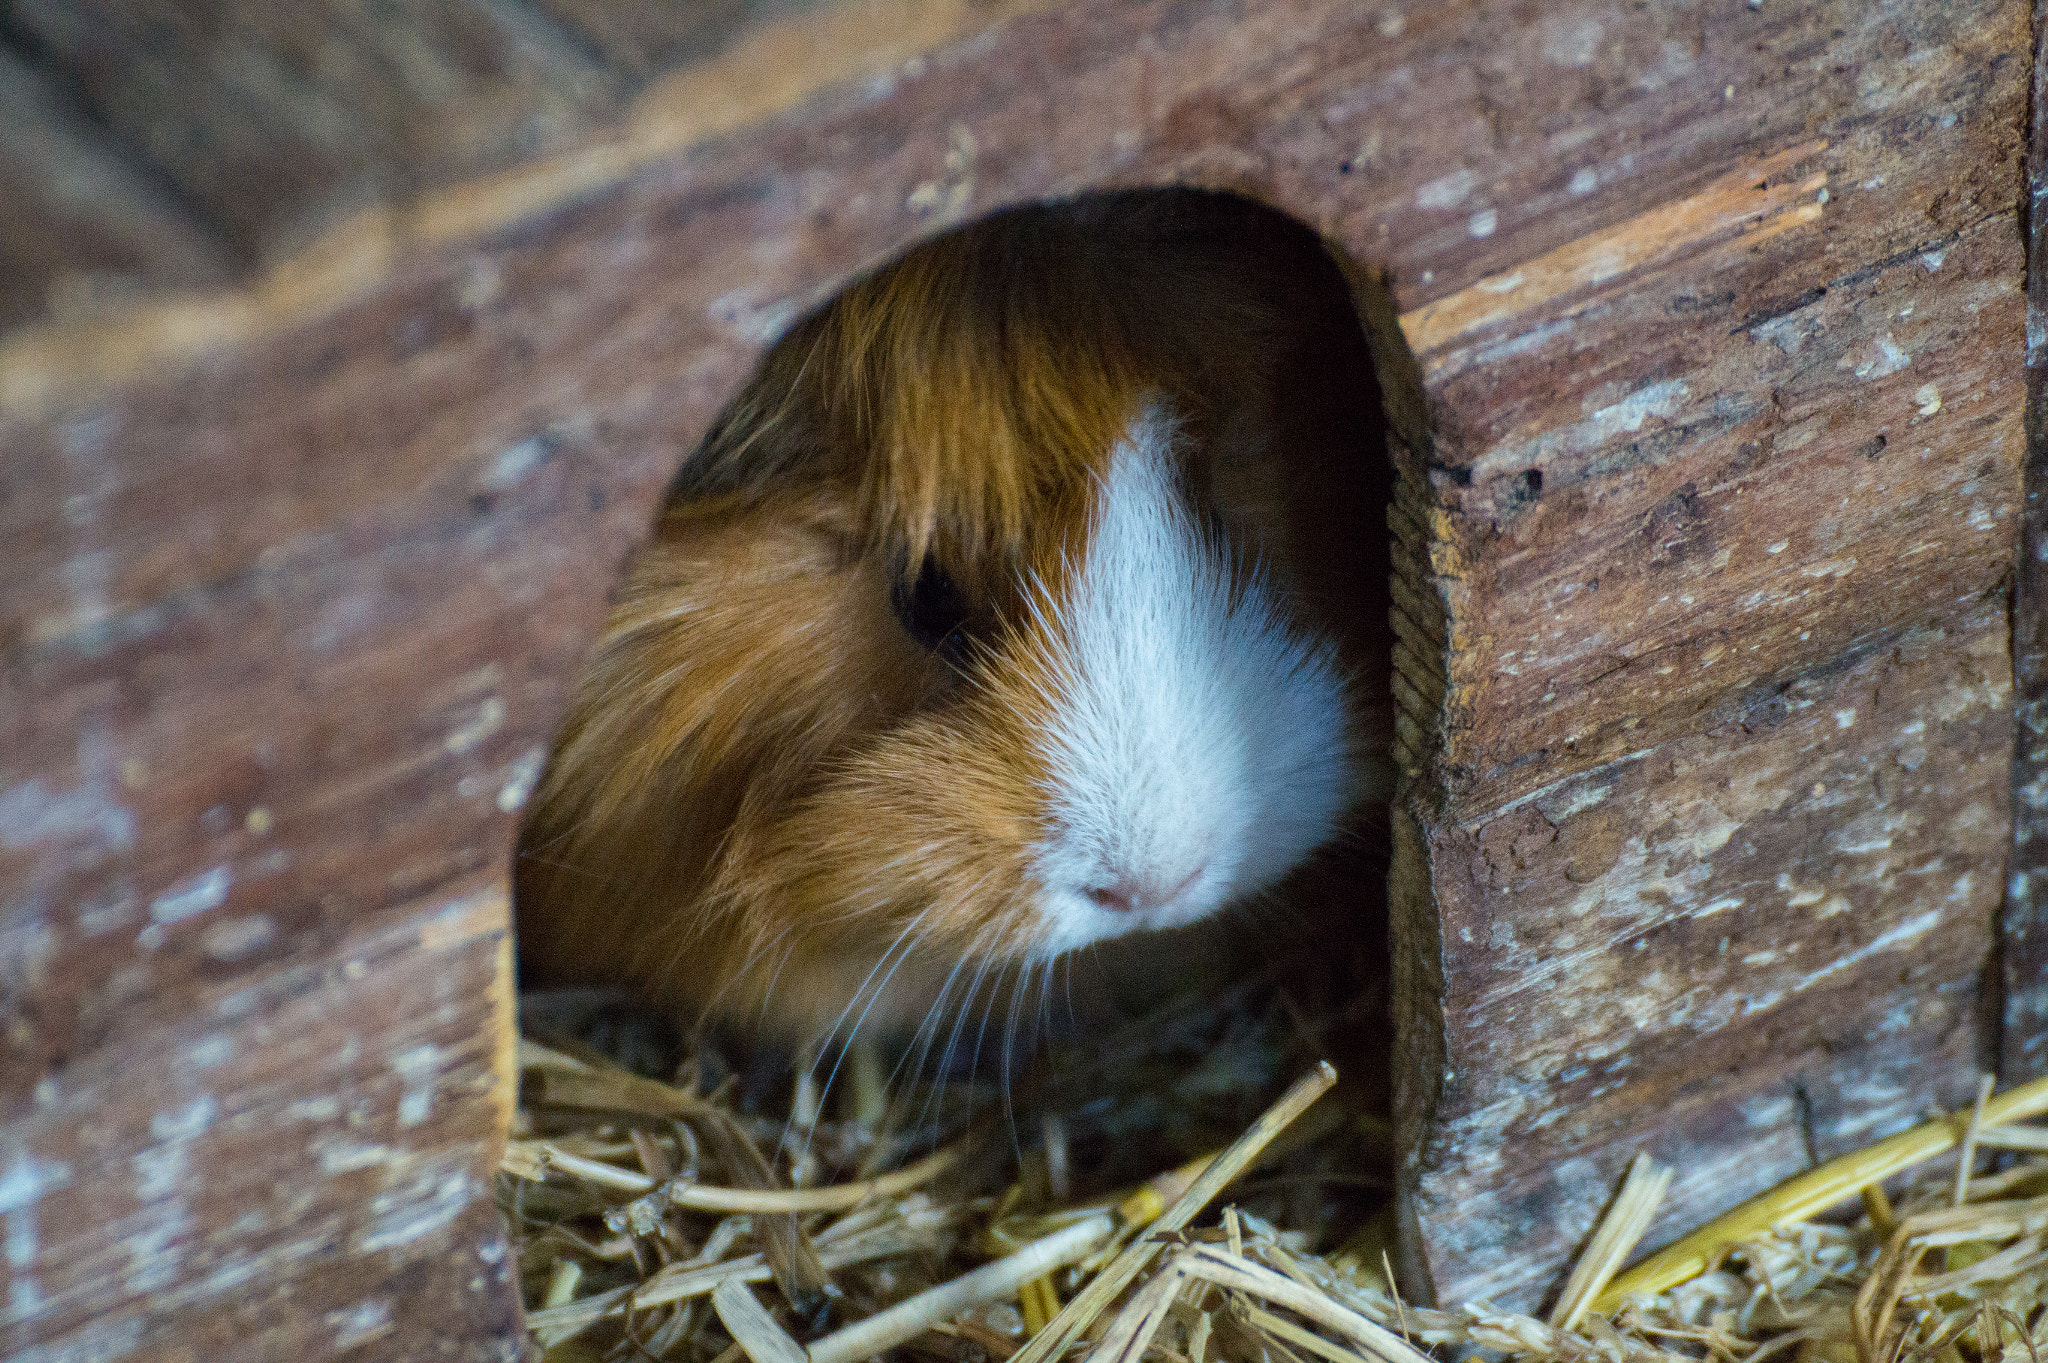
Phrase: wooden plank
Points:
(1746, 948)
(649, 37)
(149, 1212)
(81, 229)
(272, 117)
(1680, 477)
(2024, 939)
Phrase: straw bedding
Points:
(1169, 1195)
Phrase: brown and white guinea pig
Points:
(1001, 615)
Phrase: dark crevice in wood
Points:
(1802, 1106)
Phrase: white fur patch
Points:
(1198, 748)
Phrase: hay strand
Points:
(1812, 1193)
(532, 1159)
(751, 1327)
(992, 1282)
(1616, 1237)
(1107, 1285)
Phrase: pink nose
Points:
(1127, 894)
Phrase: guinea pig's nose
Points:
(1128, 893)
(1122, 897)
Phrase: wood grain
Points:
(1654, 514)
(83, 229)
(2023, 941)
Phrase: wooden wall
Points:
(347, 359)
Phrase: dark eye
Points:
(932, 608)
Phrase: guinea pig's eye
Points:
(933, 609)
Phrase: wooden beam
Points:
(2024, 943)
(83, 230)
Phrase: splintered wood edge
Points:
(463, 919)
(50, 369)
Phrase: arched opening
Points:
(989, 755)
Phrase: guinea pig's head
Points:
(1137, 733)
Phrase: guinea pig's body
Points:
(985, 627)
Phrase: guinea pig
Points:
(999, 616)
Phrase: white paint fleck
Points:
(22, 1239)
(417, 1061)
(30, 814)
(207, 1052)
(520, 777)
(429, 1203)
(1845, 718)
(489, 717)
(322, 1109)
(28, 1179)
(1779, 547)
(341, 1156)
(159, 1169)
(1800, 896)
(1928, 398)
(1391, 22)
(1584, 181)
(1766, 1109)
(1912, 929)
(756, 320)
(1662, 399)
(415, 1106)
(1890, 359)
(1446, 191)
(238, 937)
(1933, 259)
(1483, 223)
(514, 463)
(156, 1251)
(208, 890)
(361, 1323)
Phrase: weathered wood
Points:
(2024, 940)
(270, 116)
(299, 573)
(81, 228)
(646, 37)
(149, 1212)
(1664, 518)
(1747, 947)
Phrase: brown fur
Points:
(766, 786)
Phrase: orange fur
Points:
(767, 790)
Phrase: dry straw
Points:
(644, 1235)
